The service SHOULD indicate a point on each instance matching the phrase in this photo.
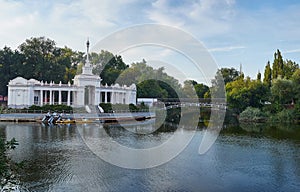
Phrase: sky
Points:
(234, 32)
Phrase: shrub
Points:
(286, 115)
(252, 114)
(106, 107)
(57, 108)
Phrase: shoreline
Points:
(79, 117)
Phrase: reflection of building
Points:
(86, 90)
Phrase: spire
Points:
(87, 68)
(87, 52)
(241, 71)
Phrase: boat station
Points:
(86, 90)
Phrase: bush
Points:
(286, 115)
(57, 108)
(106, 107)
(252, 114)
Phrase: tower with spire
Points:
(87, 78)
(87, 69)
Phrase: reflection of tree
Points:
(277, 131)
(46, 153)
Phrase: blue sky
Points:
(234, 31)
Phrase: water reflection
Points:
(242, 159)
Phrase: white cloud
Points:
(229, 48)
(217, 23)
(205, 18)
(66, 22)
(292, 51)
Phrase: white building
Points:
(86, 90)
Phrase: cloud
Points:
(229, 48)
(204, 17)
(67, 22)
(292, 51)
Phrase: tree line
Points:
(275, 96)
(41, 59)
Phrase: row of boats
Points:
(55, 118)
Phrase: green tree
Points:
(282, 91)
(150, 89)
(10, 67)
(242, 93)
(258, 76)
(228, 74)
(268, 75)
(289, 68)
(201, 90)
(188, 89)
(223, 76)
(296, 84)
(278, 65)
(140, 72)
(43, 60)
(108, 66)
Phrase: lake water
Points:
(247, 158)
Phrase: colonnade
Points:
(50, 97)
(113, 97)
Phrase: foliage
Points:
(106, 107)
(258, 76)
(282, 91)
(252, 114)
(201, 90)
(278, 65)
(108, 66)
(296, 84)
(223, 76)
(268, 75)
(38, 58)
(242, 93)
(192, 89)
(151, 89)
(6, 166)
(151, 83)
(285, 115)
(228, 74)
(289, 68)
(57, 108)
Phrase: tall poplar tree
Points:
(278, 65)
(268, 75)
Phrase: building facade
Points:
(86, 90)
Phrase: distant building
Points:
(86, 90)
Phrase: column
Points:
(68, 101)
(50, 97)
(119, 98)
(59, 97)
(105, 97)
(41, 97)
(100, 97)
(112, 98)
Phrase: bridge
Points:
(170, 103)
